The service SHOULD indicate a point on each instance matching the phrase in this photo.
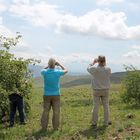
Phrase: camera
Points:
(56, 63)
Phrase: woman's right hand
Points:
(95, 60)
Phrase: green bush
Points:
(131, 86)
(14, 74)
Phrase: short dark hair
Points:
(101, 59)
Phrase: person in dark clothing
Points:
(16, 102)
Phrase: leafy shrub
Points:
(14, 74)
(131, 86)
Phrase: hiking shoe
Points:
(22, 123)
(43, 130)
(11, 125)
(94, 126)
(109, 123)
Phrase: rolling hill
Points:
(77, 80)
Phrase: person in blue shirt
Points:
(51, 97)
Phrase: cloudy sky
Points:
(74, 31)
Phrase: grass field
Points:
(76, 106)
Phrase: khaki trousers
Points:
(54, 102)
(102, 95)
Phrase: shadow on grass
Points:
(93, 132)
(41, 134)
(77, 103)
(132, 107)
(2, 135)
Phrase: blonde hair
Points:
(51, 63)
(102, 60)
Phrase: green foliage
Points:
(131, 86)
(4, 102)
(15, 77)
(8, 42)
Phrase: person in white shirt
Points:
(100, 85)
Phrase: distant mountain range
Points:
(69, 81)
(36, 71)
(73, 79)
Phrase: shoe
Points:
(22, 123)
(94, 126)
(43, 130)
(109, 123)
(11, 125)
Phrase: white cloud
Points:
(108, 2)
(4, 30)
(21, 47)
(3, 6)
(44, 55)
(48, 49)
(77, 58)
(102, 23)
(72, 58)
(134, 32)
(25, 50)
(21, 1)
(98, 22)
(134, 53)
(133, 56)
(75, 62)
(39, 14)
(137, 47)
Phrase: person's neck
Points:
(51, 67)
(101, 65)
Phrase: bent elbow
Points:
(88, 70)
(66, 71)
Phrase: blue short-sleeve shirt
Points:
(52, 81)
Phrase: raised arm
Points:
(46, 67)
(62, 67)
(91, 67)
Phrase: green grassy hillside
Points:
(76, 106)
(70, 81)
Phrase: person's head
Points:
(51, 63)
(101, 60)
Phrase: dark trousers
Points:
(16, 102)
(54, 102)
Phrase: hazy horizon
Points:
(37, 69)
